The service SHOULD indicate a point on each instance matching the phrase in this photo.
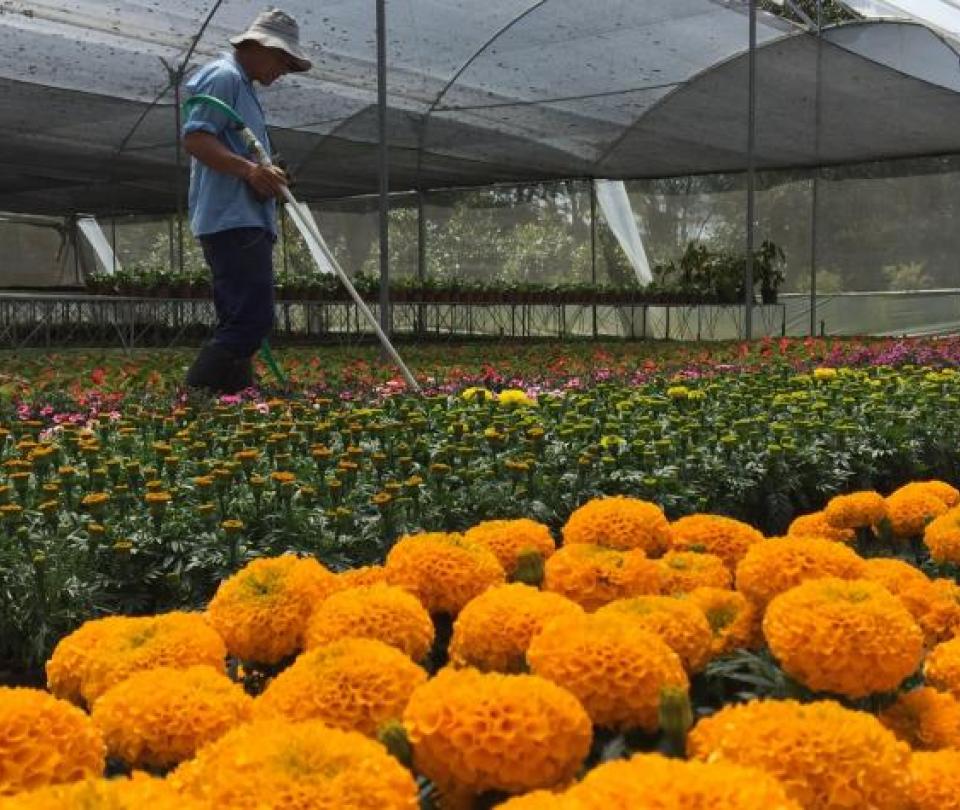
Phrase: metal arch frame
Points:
(537, 4)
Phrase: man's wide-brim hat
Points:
(274, 28)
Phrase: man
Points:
(233, 199)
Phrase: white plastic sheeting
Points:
(93, 233)
(618, 212)
(941, 15)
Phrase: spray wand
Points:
(309, 229)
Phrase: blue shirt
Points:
(219, 202)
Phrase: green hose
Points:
(227, 110)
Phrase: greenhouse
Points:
(424, 404)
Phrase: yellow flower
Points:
(593, 575)
(778, 564)
(508, 539)
(935, 780)
(942, 537)
(621, 523)
(279, 765)
(356, 684)
(162, 716)
(478, 732)
(826, 756)
(925, 719)
(823, 373)
(615, 668)
(733, 620)
(262, 610)
(45, 741)
(515, 398)
(680, 623)
(851, 638)
(382, 612)
(729, 539)
(653, 782)
(483, 394)
(104, 652)
(444, 571)
(815, 525)
(685, 570)
(856, 510)
(493, 631)
(136, 793)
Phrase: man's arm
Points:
(267, 181)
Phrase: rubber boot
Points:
(220, 370)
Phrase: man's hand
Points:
(266, 181)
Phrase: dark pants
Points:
(241, 261)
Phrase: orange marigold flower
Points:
(360, 577)
(856, 510)
(123, 645)
(941, 670)
(66, 666)
(925, 719)
(160, 717)
(136, 793)
(508, 539)
(729, 539)
(852, 638)
(776, 565)
(947, 493)
(381, 612)
(935, 780)
(616, 668)
(279, 765)
(942, 537)
(262, 610)
(45, 741)
(681, 624)
(826, 756)
(935, 605)
(815, 525)
(473, 731)
(593, 575)
(910, 511)
(653, 782)
(444, 571)
(685, 570)
(493, 631)
(356, 684)
(893, 574)
(733, 620)
(544, 800)
(621, 523)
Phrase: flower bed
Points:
(118, 496)
(431, 680)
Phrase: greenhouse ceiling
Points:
(479, 93)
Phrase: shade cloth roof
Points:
(504, 90)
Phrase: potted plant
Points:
(768, 264)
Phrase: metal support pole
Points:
(283, 237)
(113, 239)
(384, 167)
(178, 78)
(751, 170)
(815, 202)
(421, 258)
(593, 250)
